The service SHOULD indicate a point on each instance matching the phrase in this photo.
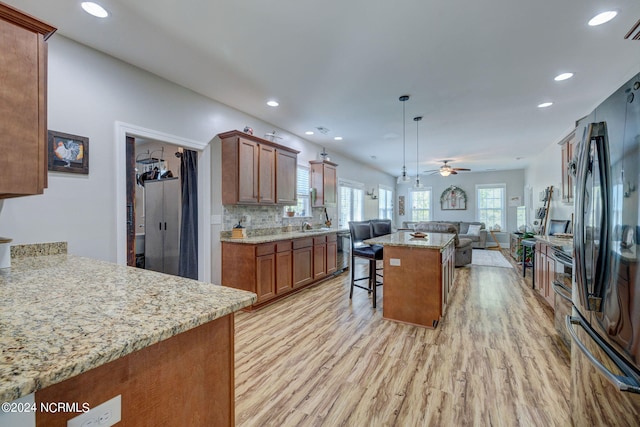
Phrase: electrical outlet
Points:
(104, 415)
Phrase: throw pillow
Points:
(474, 230)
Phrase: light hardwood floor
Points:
(318, 359)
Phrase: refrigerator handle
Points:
(622, 383)
(601, 268)
(579, 237)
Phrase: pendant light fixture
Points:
(404, 178)
(417, 184)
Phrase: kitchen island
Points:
(418, 275)
(82, 331)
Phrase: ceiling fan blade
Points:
(461, 169)
(432, 170)
(453, 172)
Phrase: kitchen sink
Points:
(316, 230)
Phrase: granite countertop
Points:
(62, 315)
(404, 238)
(563, 243)
(285, 235)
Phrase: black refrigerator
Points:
(605, 320)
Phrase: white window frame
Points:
(387, 200)
(412, 191)
(356, 186)
(503, 210)
(304, 198)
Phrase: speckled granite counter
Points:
(564, 243)
(63, 315)
(404, 238)
(255, 240)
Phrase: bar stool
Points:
(361, 231)
(531, 244)
(380, 227)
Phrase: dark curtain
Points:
(188, 264)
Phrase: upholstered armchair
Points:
(464, 247)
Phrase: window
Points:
(420, 204)
(303, 208)
(385, 203)
(491, 205)
(351, 206)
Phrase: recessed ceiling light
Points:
(338, 138)
(602, 18)
(273, 103)
(545, 104)
(309, 132)
(94, 9)
(563, 76)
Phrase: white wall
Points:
(90, 91)
(467, 181)
(543, 171)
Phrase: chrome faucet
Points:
(306, 226)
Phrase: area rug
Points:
(490, 258)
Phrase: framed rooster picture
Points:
(68, 153)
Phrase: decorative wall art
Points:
(453, 198)
(68, 153)
(401, 205)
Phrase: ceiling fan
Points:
(446, 169)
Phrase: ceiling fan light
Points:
(445, 171)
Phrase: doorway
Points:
(123, 213)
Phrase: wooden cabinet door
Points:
(23, 102)
(330, 185)
(284, 273)
(551, 272)
(265, 277)
(540, 266)
(267, 174)
(332, 256)
(302, 266)
(286, 177)
(319, 261)
(248, 161)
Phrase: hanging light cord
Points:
(404, 98)
(417, 120)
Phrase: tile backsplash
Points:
(270, 217)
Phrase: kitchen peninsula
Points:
(418, 275)
(80, 330)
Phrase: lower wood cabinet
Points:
(545, 267)
(319, 257)
(332, 253)
(302, 262)
(275, 269)
(284, 268)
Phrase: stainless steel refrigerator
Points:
(162, 225)
(605, 320)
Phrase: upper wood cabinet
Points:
(256, 171)
(286, 175)
(568, 145)
(23, 103)
(324, 183)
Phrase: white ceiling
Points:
(476, 70)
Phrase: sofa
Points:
(478, 241)
(464, 249)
